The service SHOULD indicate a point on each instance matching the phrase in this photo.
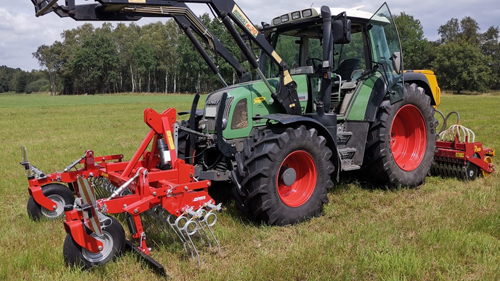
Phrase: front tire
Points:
(113, 244)
(402, 141)
(286, 175)
(56, 192)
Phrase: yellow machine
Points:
(432, 84)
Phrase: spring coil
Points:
(103, 187)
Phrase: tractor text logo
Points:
(199, 198)
(245, 21)
(213, 102)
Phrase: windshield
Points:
(304, 54)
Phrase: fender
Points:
(421, 80)
(36, 191)
(74, 226)
(307, 120)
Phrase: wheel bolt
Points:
(99, 248)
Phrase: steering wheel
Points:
(312, 62)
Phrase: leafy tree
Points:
(491, 47)
(19, 81)
(168, 58)
(124, 37)
(145, 59)
(461, 67)
(467, 30)
(417, 51)
(5, 78)
(449, 32)
(95, 64)
(50, 58)
(37, 85)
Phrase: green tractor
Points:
(332, 96)
(351, 107)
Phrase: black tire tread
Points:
(263, 151)
(378, 164)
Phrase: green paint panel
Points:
(357, 109)
(259, 103)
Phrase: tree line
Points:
(18, 80)
(463, 58)
(157, 57)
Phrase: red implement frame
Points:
(92, 165)
(463, 152)
(175, 189)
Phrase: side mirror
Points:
(342, 30)
(396, 62)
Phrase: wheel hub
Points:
(296, 179)
(408, 138)
(107, 248)
(288, 175)
(58, 207)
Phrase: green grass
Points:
(444, 230)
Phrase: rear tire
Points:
(113, 244)
(56, 192)
(286, 175)
(402, 141)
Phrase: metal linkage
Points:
(30, 169)
(70, 166)
(124, 186)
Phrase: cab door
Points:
(386, 51)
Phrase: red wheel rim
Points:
(408, 137)
(302, 188)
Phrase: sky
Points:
(21, 33)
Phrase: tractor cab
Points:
(362, 44)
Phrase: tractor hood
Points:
(244, 101)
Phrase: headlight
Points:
(240, 115)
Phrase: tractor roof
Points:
(315, 13)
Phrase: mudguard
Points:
(330, 136)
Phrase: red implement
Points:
(463, 159)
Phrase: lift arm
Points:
(227, 10)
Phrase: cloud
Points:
(22, 33)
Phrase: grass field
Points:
(444, 230)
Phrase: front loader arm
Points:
(227, 10)
(286, 93)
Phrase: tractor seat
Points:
(346, 68)
(339, 104)
(351, 83)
